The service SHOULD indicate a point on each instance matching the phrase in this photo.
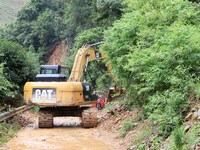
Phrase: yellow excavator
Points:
(57, 96)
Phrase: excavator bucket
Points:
(113, 91)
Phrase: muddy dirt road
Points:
(60, 138)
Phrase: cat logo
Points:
(44, 95)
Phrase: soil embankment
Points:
(58, 53)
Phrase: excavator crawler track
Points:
(45, 119)
(89, 118)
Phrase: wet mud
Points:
(66, 135)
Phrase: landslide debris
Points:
(111, 122)
(144, 133)
(26, 119)
(58, 53)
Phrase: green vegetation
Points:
(192, 137)
(5, 85)
(127, 125)
(18, 65)
(182, 140)
(36, 108)
(178, 138)
(145, 133)
(154, 51)
(7, 131)
(109, 107)
(153, 48)
(40, 24)
(197, 89)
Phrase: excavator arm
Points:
(84, 55)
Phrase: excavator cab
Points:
(49, 73)
(50, 69)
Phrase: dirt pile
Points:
(194, 113)
(111, 122)
(25, 119)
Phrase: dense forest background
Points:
(153, 48)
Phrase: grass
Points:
(197, 89)
(8, 131)
(36, 108)
(9, 9)
(178, 138)
(184, 141)
(109, 107)
(127, 125)
(145, 133)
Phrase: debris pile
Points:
(192, 117)
(26, 118)
(194, 114)
(111, 122)
(112, 119)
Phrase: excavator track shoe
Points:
(45, 119)
(89, 118)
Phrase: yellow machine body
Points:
(55, 94)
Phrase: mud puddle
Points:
(69, 137)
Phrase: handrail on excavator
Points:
(95, 44)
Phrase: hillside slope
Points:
(9, 9)
(58, 53)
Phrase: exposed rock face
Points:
(58, 53)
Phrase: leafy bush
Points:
(196, 88)
(182, 140)
(164, 109)
(20, 66)
(90, 36)
(192, 137)
(178, 138)
(5, 86)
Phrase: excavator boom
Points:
(83, 56)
